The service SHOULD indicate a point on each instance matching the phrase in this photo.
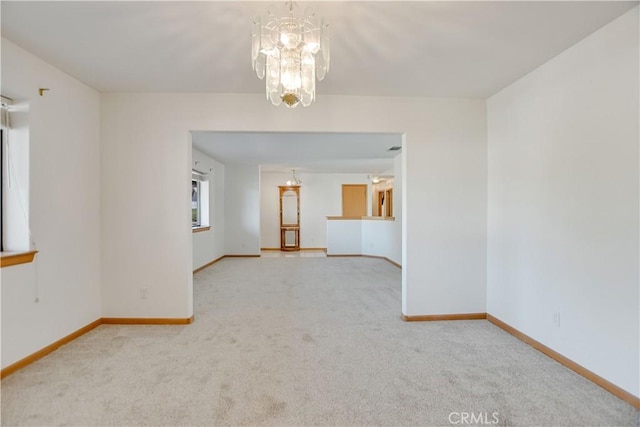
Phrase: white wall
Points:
(379, 238)
(146, 212)
(395, 251)
(320, 196)
(242, 209)
(145, 136)
(64, 207)
(344, 237)
(445, 209)
(210, 245)
(362, 237)
(563, 203)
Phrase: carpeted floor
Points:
(306, 341)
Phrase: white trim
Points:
(198, 176)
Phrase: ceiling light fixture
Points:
(374, 179)
(290, 50)
(294, 180)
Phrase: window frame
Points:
(8, 259)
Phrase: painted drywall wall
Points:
(320, 196)
(395, 253)
(361, 237)
(444, 188)
(242, 209)
(146, 214)
(444, 211)
(378, 238)
(344, 237)
(60, 291)
(210, 245)
(563, 204)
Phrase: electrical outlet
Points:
(144, 293)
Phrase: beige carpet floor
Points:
(307, 341)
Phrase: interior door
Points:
(354, 200)
(388, 201)
(380, 204)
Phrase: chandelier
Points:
(290, 50)
(294, 179)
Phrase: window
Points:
(16, 241)
(196, 212)
(199, 201)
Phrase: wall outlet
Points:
(144, 293)
(556, 319)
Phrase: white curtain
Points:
(5, 121)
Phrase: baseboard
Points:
(302, 249)
(364, 256)
(207, 265)
(384, 258)
(72, 336)
(610, 387)
(394, 263)
(241, 256)
(438, 317)
(222, 257)
(146, 321)
(48, 349)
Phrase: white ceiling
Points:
(383, 48)
(306, 152)
(386, 48)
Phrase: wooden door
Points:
(354, 200)
(380, 204)
(388, 201)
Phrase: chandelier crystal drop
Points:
(290, 51)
